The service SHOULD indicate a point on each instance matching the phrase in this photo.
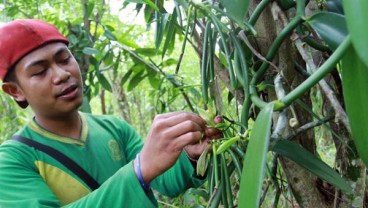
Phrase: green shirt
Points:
(106, 150)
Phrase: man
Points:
(38, 70)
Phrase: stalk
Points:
(326, 68)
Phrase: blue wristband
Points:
(145, 186)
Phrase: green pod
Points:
(225, 203)
(215, 167)
(204, 65)
(236, 162)
(220, 29)
(241, 68)
(211, 178)
(226, 180)
(226, 144)
(217, 197)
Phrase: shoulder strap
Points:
(63, 159)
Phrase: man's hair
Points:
(10, 76)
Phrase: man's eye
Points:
(39, 73)
(65, 60)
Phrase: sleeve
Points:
(178, 178)
(22, 186)
(175, 180)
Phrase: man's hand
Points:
(169, 134)
(195, 150)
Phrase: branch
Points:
(308, 126)
(173, 82)
(311, 66)
(21, 11)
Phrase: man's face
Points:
(49, 79)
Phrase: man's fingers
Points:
(182, 128)
(177, 118)
(209, 132)
(185, 139)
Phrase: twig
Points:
(173, 82)
(339, 111)
(274, 180)
(264, 193)
(308, 126)
(244, 38)
(212, 196)
(21, 11)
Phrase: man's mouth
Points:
(68, 92)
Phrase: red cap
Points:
(20, 37)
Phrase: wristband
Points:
(144, 185)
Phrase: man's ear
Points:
(13, 90)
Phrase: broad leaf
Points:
(330, 26)
(103, 81)
(236, 9)
(170, 36)
(109, 35)
(90, 51)
(161, 21)
(254, 163)
(136, 79)
(356, 13)
(310, 162)
(334, 6)
(148, 52)
(148, 2)
(355, 85)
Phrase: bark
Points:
(303, 184)
(351, 168)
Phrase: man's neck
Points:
(69, 126)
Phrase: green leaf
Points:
(103, 81)
(109, 35)
(356, 13)
(90, 51)
(328, 23)
(90, 7)
(310, 162)
(183, 3)
(236, 9)
(136, 79)
(148, 2)
(161, 21)
(126, 77)
(334, 6)
(254, 163)
(170, 36)
(355, 85)
(127, 42)
(149, 52)
(85, 107)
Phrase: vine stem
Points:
(273, 50)
(257, 12)
(339, 111)
(326, 68)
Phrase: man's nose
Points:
(60, 74)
